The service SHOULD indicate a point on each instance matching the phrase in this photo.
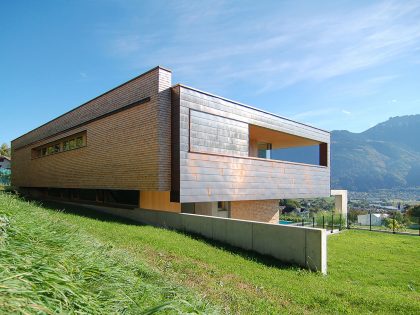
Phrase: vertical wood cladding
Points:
(208, 177)
(126, 150)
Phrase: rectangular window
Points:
(66, 144)
(50, 150)
(264, 150)
(57, 148)
(223, 205)
(72, 144)
(79, 142)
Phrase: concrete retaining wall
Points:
(305, 247)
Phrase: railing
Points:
(5, 177)
(331, 222)
(336, 222)
(393, 223)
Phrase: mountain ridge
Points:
(384, 156)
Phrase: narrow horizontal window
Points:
(66, 144)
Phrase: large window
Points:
(66, 144)
(270, 144)
(264, 150)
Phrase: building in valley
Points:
(5, 162)
(148, 144)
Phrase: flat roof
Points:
(247, 106)
(181, 85)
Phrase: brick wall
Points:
(126, 150)
(256, 210)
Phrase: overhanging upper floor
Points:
(224, 150)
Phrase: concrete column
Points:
(340, 202)
(206, 208)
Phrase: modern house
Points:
(152, 145)
(371, 219)
(5, 162)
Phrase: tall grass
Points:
(47, 266)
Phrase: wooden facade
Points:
(172, 144)
(127, 141)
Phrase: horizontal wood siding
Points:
(126, 150)
(207, 174)
(145, 85)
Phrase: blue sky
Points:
(332, 64)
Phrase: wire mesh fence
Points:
(394, 222)
(5, 177)
(330, 222)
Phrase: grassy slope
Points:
(368, 272)
(49, 266)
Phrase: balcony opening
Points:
(275, 145)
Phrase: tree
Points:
(5, 150)
(414, 212)
(289, 204)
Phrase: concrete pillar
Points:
(206, 208)
(340, 202)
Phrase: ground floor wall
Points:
(252, 210)
(158, 200)
(256, 210)
(302, 246)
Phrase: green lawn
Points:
(137, 267)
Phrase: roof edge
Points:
(247, 106)
(96, 97)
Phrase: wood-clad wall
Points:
(206, 175)
(158, 200)
(127, 149)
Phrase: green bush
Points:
(391, 224)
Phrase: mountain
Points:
(384, 156)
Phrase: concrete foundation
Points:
(302, 246)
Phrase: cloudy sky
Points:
(332, 64)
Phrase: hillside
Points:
(384, 156)
(77, 261)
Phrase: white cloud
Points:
(345, 112)
(223, 43)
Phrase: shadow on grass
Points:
(82, 210)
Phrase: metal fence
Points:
(393, 223)
(331, 222)
(5, 177)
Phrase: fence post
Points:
(370, 220)
(303, 221)
(323, 222)
(348, 221)
(341, 218)
(313, 222)
(332, 222)
(393, 223)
